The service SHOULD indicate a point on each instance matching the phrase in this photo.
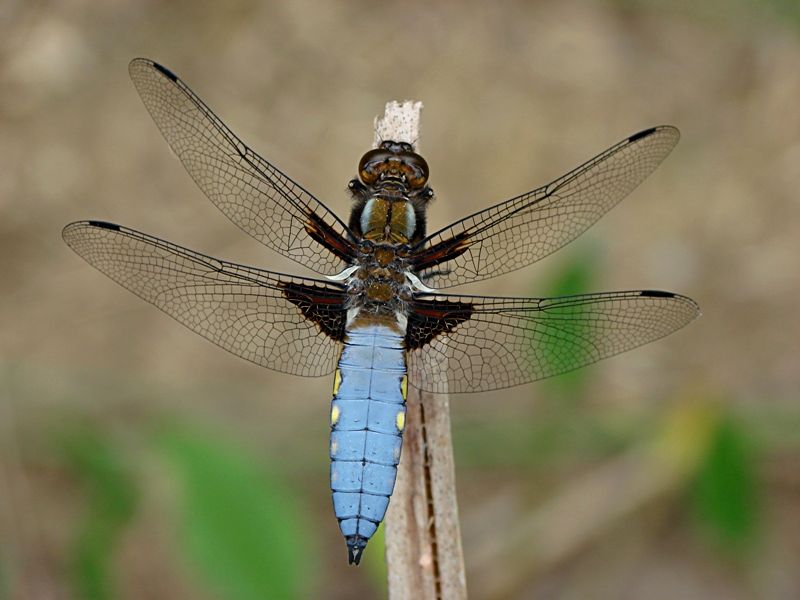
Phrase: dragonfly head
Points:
(393, 163)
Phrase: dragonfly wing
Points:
(285, 323)
(473, 343)
(252, 192)
(522, 230)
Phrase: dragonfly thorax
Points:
(388, 219)
(381, 280)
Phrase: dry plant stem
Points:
(423, 540)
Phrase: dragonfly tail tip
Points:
(355, 549)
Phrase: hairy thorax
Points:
(381, 280)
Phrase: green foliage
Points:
(725, 491)
(720, 11)
(374, 562)
(788, 10)
(240, 527)
(4, 593)
(111, 500)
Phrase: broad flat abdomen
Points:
(367, 421)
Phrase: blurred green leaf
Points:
(241, 527)
(374, 562)
(720, 11)
(576, 276)
(788, 10)
(725, 491)
(111, 500)
(4, 593)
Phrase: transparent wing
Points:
(284, 323)
(520, 231)
(251, 192)
(472, 343)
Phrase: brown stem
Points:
(423, 540)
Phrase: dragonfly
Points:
(378, 319)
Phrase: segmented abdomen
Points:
(367, 421)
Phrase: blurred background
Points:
(139, 461)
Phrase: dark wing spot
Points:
(641, 134)
(657, 294)
(165, 71)
(105, 225)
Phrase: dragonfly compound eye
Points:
(372, 165)
(415, 169)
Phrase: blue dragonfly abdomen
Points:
(367, 421)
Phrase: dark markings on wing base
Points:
(323, 307)
(105, 225)
(323, 233)
(641, 134)
(441, 252)
(428, 319)
(657, 294)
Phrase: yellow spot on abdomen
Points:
(335, 412)
(404, 386)
(400, 420)
(337, 381)
(334, 447)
